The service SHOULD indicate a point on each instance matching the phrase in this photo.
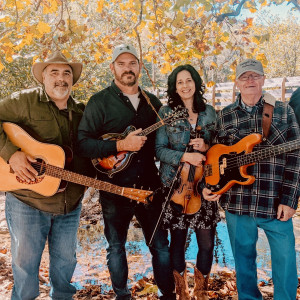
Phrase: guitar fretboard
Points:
(82, 179)
(255, 156)
(267, 152)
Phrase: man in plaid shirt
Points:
(271, 201)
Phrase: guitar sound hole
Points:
(39, 166)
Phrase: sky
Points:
(283, 11)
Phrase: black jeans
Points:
(117, 214)
(205, 241)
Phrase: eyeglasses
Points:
(254, 77)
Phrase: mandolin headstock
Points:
(179, 113)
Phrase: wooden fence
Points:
(222, 94)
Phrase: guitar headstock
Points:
(138, 195)
(178, 113)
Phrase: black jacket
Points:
(109, 111)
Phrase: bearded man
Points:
(112, 110)
(50, 115)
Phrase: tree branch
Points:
(295, 2)
(37, 6)
(235, 13)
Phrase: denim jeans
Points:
(243, 235)
(29, 230)
(117, 214)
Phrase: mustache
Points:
(61, 84)
(128, 73)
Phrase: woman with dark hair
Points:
(185, 88)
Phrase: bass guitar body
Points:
(222, 167)
(114, 163)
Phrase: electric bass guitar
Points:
(50, 162)
(227, 165)
(116, 163)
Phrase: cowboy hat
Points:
(56, 58)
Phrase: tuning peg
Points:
(134, 185)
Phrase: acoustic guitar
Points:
(50, 167)
(116, 163)
(227, 165)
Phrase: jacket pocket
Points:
(176, 133)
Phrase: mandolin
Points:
(50, 162)
(227, 165)
(116, 163)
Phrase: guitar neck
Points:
(69, 176)
(258, 155)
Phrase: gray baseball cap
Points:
(249, 65)
(124, 49)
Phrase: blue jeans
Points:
(29, 230)
(117, 214)
(243, 235)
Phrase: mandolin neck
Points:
(155, 126)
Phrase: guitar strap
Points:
(149, 102)
(269, 103)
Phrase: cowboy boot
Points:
(181, 284)
(201, 286)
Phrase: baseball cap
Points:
(249, 65)
(124, 49)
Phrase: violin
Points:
(185, 198)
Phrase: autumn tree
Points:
(205, 33)
(279, 40)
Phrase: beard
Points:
(61, 90)
(124, 80)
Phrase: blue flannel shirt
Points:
(277, 177)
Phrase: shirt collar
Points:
(71, 104)
(239, 103)
(119, 92)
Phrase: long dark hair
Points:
(174, 99)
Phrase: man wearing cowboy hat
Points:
(50, 115)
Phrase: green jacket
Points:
(33, 110)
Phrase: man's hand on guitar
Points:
(209, 196)
(20, 164)
(285, 212)
(193, 158)
(132, 142)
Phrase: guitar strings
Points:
(258, 154)
(57, 172)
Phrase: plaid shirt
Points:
(277, 177)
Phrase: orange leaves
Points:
(50, 6)
(43, 28)
(3, 250)
(100, 4)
